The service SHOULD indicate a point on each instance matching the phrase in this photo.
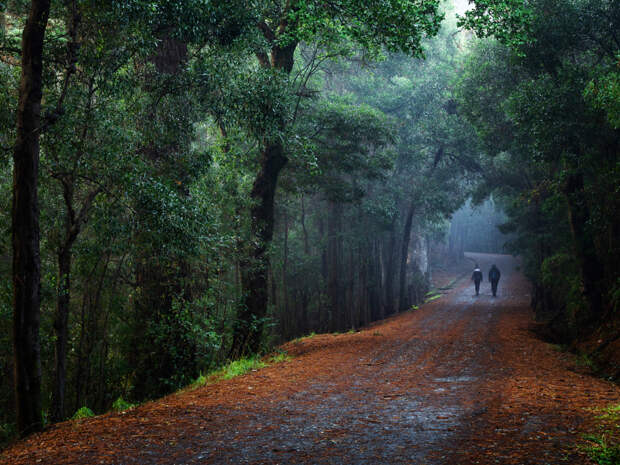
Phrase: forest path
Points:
(462, 380)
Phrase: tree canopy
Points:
(195, 181)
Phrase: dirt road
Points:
(462, 380)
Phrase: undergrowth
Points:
(603, 447)
(121, 404)
(240, 367)
(302, 338)
(8, 434)
(432, 295)
(83, 412)
(602, 452)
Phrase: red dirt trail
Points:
(462, 380)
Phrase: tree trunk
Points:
(61, 331)
(303, 227)
(591, 268)
(25, 226)
(390, 271)
(403, 301)
(334, 286)
(285, 300)
(248, 327)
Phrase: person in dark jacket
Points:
(476, 277)
(494, 276)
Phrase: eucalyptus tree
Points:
(437, 159)
(343, 213)
(548, 117)
(25, 224)
(396, 25)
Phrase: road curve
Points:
(461, 380)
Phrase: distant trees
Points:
(553, 148)
(218, 176)
(165, 128)
(283, 26)
(387, 163)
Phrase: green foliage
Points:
(604, 93)
(279, 358)
(600, 451)
(200, 381)
(560, 275)
(547, 106)
(508, 20)
(398, 25)
(612, 413)
(8, 434)
(83, 412)
(121, 404)
(603, 447)
(240, 367)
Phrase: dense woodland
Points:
(188, 182)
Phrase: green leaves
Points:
(507, 20)
(397, 25)
(603, 93)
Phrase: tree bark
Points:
(591, 268)
(61, 330)
(248, 327)
(73, 225)
(334, 285)
(25, 222)
(403, 301)
(390, 271)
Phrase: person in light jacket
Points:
(476, 277)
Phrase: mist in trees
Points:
(476, 228)
(218, 177)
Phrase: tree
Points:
(566, 141)
(25, 228)
(399, 25)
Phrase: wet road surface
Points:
(461, 380)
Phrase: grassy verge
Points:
(239, 367)
(603, 446)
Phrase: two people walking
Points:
(494, 276)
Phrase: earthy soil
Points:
(462, 380)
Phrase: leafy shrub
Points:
(602, 452)
(121, 404)
(83, 412)
(563, 287)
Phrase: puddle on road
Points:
(456, 379)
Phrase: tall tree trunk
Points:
(73, 224)
(61, 330)
(375, 279)
(403, 301)
(334, 286)
(25, 226)
(285, 299)
(591, 268)
(303, 227)
(390, 271)
(248, 327)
